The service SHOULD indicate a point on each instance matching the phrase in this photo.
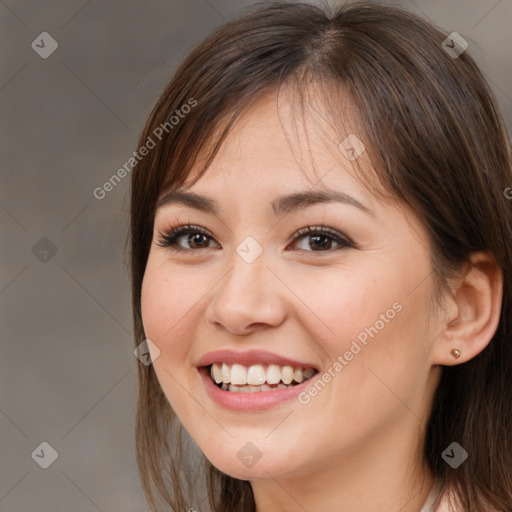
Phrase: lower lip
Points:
(254, 401)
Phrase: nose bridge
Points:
(244, 296)
(244, 280)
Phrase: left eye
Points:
(189, 237)
(194, 235)
(322, 238)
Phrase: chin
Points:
(238, 464)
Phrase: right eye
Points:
(185, 237)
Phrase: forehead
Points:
(278, 142)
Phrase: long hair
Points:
(437, 142)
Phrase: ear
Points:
(472, 311)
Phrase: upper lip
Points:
(249, 358)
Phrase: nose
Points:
(248, 298)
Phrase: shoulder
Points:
(448, 503)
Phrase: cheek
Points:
(369, 321)
(164, 311)
(154, 304)
(167, 324)
(347, 304)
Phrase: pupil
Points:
(195, 238)
(321, 245)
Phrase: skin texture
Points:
(356, 446)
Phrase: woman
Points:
(321, 270)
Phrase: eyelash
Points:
(169, 238)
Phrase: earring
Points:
(455, 352)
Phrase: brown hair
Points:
(437, 142)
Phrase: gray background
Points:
(68, 122)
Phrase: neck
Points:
(382, 475)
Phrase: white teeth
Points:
(238, 375)
(216, 373)
(246, 389)
(287, 375)
(273, 374)
(256, 375)
(254, 378)
(226, 373)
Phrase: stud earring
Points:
(455, 352)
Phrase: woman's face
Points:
(352, 304)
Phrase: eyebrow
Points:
(281, 206)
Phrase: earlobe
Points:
(475, 308)
(455, 352)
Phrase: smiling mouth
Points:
(256, 378)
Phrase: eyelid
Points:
(168, 237)
(324, 230)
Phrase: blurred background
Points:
(78, 80)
